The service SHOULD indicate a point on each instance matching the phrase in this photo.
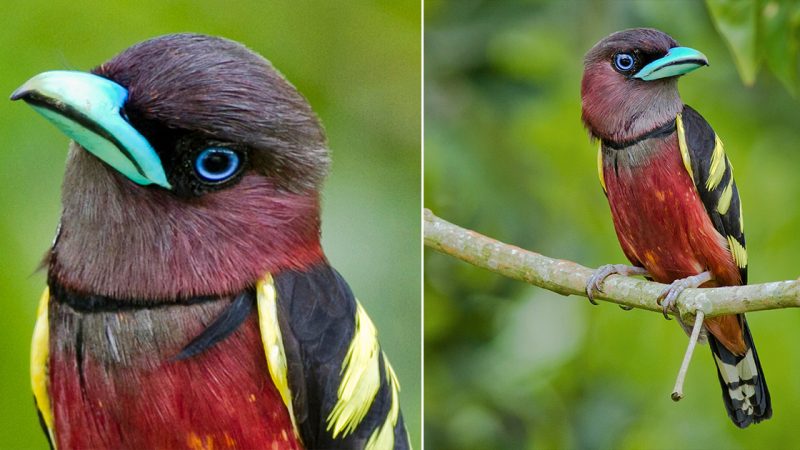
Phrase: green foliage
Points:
(358, 63)
(761, 32)
(512, 366)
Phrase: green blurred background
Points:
(357, 62)
(511, 366)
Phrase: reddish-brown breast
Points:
(659, 217)
(662, 224)
(114, 384)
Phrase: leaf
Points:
(736, 20)
(780, 43)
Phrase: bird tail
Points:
(744, 389)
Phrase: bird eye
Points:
(217, 164)
(624, 62)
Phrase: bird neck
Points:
(130, 242)
(666, 129)
(624, 112)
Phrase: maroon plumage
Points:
(139, 397)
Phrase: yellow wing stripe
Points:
(725, 198)
(360, 377)
(272, 340)
(738, 251)
(40, 352)
(383, 437)
(717, 168)
(741, 218)
(687, 161)
(600, 166)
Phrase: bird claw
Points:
(666, 300)
(603, 272)
(593, 285)
(670, 294)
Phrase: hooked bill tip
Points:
(23, 92)
(19, 94)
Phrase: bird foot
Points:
(669, 295)
(603, 272)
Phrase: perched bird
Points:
(674, 202)
(189, 303)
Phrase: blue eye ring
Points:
(217, 164)
(624, 62)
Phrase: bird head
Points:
(629, 84)
(195, 169)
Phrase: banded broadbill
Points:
(189, 303)
(674, 202)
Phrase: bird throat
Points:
(143, 244)
(658, 132)
(624, 110)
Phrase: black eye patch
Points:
(628, 62)
(199, 165)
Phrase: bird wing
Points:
(705, 160)
(40, 351)
(738, 368)
(324, 357)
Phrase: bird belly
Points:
(114, 382)
(661, 221)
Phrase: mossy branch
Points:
(569, 278)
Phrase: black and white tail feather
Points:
(744, 389)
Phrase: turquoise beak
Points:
(677, 61)
(87, 108)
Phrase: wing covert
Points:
(40, 353)
(705, 159)
(344, 393)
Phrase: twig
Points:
(569, 278)
(677, 391)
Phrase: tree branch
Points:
(569, 278)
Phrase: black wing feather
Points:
(316, 312)
(226, 323)
(43, 425)
(701, 141)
